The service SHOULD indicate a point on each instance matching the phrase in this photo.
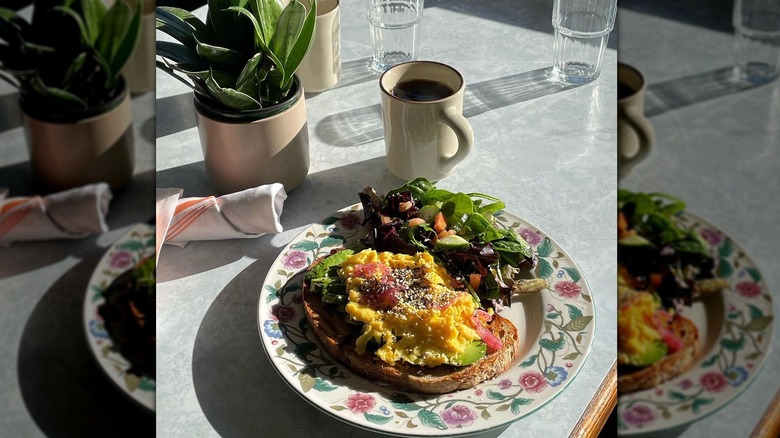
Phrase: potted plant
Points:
(66, 63)
(240, 63)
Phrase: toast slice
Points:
(338, 338)
(632, 379)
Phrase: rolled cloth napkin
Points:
(245, 214)
(69, 214)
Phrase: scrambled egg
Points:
(408, 306)
(636, 331)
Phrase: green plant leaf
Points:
(93, 13)
(180, 55)
(221, 56)
(85, 37)
(181, 25)
(300, 48)
(247, 80)
(268, 13)
(288, 28)
(231, 97)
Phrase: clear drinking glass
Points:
(395, 29)
(757, 40)
(582, 29)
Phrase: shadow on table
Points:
(364, 125)
(710, 14)
(662, 97)
(174, 114)
(10, 114)
(64, 390)
(235, 383)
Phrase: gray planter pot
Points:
(71, 150)
(247, 149)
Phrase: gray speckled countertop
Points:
(718, 149)
(547, 151)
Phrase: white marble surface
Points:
(548, 152)
(50, 384)
(718, 149)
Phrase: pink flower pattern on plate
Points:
(121, 260)
(640, 415)
(713, 381)
(294, 260)
(748, 289)
(531, 236)
(711, 236)
(567, 289)
(533, 381)
(459, 415)
(360, 403)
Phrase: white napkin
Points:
(70, 214)
(246, 214)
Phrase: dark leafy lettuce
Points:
(491, 247)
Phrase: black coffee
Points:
(421, 90)
(624, 91)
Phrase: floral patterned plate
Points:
(120, 257)
(556, 327)
(736, 330)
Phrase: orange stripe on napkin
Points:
(13, 219)
(201, 206)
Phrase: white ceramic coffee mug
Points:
(635, 134)
(426, 135)
(321, 67)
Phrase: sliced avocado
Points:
(453, 242)
(428, 213)
(653, 352)
(635, 240)
(475, 351)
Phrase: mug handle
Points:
(453, 118)
(646, 136)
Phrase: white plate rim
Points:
(586, 345)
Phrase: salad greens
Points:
(474, 243)
(459, 229)
(656, 251)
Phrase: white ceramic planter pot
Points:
(242, 151)
(67, 152)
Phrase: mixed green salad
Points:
(459, 229)
(656, 251)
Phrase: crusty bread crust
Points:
(338, 338)
(670, 366)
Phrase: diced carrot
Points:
(415, 221)
(443, 234)
(439, 224)
(474, 280)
